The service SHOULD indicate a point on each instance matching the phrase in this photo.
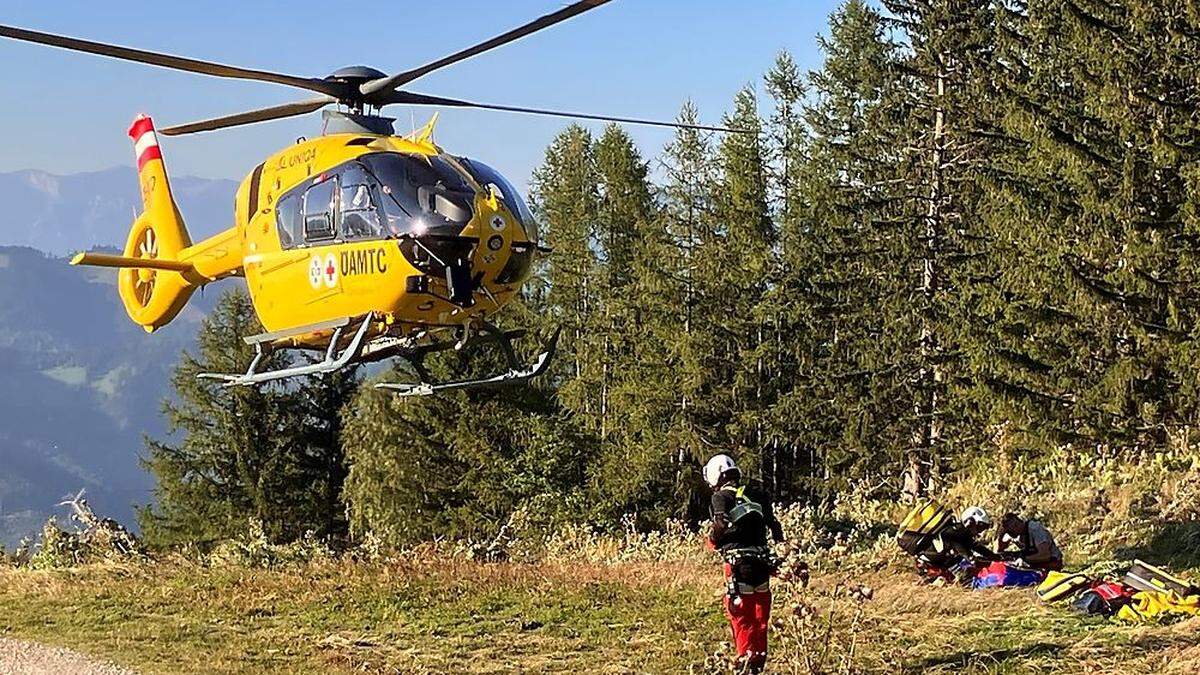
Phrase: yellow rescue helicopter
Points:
(359, 245)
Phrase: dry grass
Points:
(458, 616)
(397, 617)
(577, 600)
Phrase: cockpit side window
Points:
(287, 217)
(318, 211)
(359, 204)
(420, 193)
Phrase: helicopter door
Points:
(359, 205)
(306, 228)
(318, 212)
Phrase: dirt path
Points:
(18, 657)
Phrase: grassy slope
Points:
(470, 617)
(461, 617)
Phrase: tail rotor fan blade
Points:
(250, 117)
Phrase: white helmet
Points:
(977, 514)
(716, 467)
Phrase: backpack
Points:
(1147, 577)
(745, 513)
(1060, 585)
(927, 520)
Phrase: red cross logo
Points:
(330, 271)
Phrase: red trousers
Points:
(749, 616)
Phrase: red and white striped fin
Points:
(145, 140)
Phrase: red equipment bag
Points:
(1104, 598)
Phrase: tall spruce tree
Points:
(733, 273)
(786, 313)
(948, 57)
(623, 209)
(1104, 307)
(270, 453)
(837, 268)
(564, 193)
(678, 334)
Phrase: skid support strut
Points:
(331, 363)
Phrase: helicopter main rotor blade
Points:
(170, 61)
(410, 98)
(400, 79)
(250, 117)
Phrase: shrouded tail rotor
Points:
(153, 281)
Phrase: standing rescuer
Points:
(741, 518)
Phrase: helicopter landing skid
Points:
(329, 364)
(516, 374)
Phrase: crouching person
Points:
(742, 517)
(1028, 542)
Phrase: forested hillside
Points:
(80, 387)
(970, 234)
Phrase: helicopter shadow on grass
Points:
(1175, 545)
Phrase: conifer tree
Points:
(733, 273)
(564, 193)
(948, 56)
(845, 276)
(1102, 301)
(270, 453)
(783, 309)
(638, 464)
(457, 465)
(677, 335)
(624, 208)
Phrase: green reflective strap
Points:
(744, 505)
(742, 509)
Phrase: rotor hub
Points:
(355, 75)
(351, 78)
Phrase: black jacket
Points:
(954, 545)
(753, 531)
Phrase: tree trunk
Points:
(928, 431)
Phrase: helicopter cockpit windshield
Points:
(490, 178)
(420, 194)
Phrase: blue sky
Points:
(67, 112)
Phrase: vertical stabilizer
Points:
(153, 295)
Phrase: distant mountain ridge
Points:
(61, 214)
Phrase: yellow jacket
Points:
(1154, 606)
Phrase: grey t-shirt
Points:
(1039, 537)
